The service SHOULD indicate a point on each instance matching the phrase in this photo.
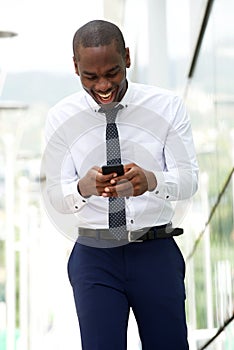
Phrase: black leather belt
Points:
(144, 234)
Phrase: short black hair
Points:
(99, 33)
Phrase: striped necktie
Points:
(117, 215)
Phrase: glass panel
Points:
(210, 101)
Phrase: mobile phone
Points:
(116, 168)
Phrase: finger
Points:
(124, 189)
(105, 178)
(129, 166)
(99, 170)
(108, 191)
(117, 179)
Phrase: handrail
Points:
(200, 37)
(219, 331)
(213, 209)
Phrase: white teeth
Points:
(105, 96)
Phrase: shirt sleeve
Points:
(61, 175)
(179, 178)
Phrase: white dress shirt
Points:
(155, 133)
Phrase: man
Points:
(136, 264)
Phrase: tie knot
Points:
(111, 113)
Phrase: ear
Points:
(127, 57)
(76, 66)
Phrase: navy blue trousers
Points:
(147, 277)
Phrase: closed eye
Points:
(111, 75)
(91, 77)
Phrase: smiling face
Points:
(102, 72)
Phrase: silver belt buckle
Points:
(130, 240)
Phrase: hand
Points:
(94, 182)
(134, 182)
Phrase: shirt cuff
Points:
(73, 198)
(165, 189)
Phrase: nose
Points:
(103, 85)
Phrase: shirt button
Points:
(167, 197)
(157, 192)
(83, 200)
(132, 221)
(76, 207)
